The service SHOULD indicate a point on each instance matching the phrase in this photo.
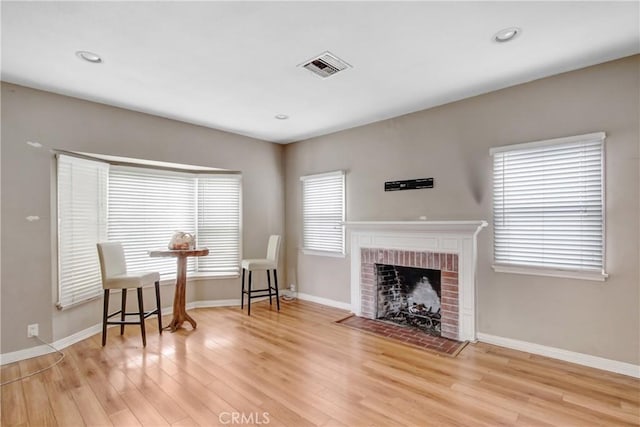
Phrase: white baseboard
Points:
(325, 301)
(27, 353)
(561, 354)
(542, 350)
(40, 350)
(214, 303)
(78, 336)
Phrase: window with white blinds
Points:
(141, 207)
(219, 203)
(146, 206)
(548, 203)
(82, 222)
(323, 200)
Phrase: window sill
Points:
(324, 253)
(566, 274)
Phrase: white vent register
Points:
(325, 65)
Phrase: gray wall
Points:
(451, 143)
(29, 288)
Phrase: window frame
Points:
(63, 300)
(316, 251)
(171, 169)
(201, 275)
(552, 271)
(134, 225)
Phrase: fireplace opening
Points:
(409, 296)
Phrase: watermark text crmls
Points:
(239, 418)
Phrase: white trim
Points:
(155, 164)
(40, 350)
(568, 274)
(555, 353)
(214, 303)
(323, 253)
(78, 336)
(324, 301)
(27, 353)
(561, 354)
(419, 225)
(62, 343)
(196, 277)
(322, 175)
(596, 136)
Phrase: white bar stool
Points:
(113, 268)
(268, 264)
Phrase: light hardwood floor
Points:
(298, 368)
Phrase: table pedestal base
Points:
(179, 300)
(177, 321)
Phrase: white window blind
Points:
(141, 207)
(82, 222)
(146, 206)
(548, 204)
(219, 204)
(323, 210)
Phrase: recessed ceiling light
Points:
(34, 144)
(89, 56)
(281, 116)
(507, 34)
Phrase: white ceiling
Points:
(234, 65)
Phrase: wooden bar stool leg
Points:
(158, 309)
(275, 279)
(104, 317)
(242, 294)
(141, 308)
(249, 296)
(123, 308)
(269, 286)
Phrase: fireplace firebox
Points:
(409, 296)
(440, 269)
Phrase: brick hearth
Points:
(403, 334)
(446, 263)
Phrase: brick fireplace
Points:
(447, 264)
(447, 246)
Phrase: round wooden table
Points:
(179, 300)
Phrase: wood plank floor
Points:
(299, 368)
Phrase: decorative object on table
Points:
(182, 241)
(409, 184)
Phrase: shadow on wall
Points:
(474, 177)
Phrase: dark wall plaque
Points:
(409, 184)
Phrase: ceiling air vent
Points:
(325, 65)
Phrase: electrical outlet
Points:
(32, 330)
(292, 287)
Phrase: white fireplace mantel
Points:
(435, 226)
(455, 237)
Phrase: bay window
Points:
(142, 207)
